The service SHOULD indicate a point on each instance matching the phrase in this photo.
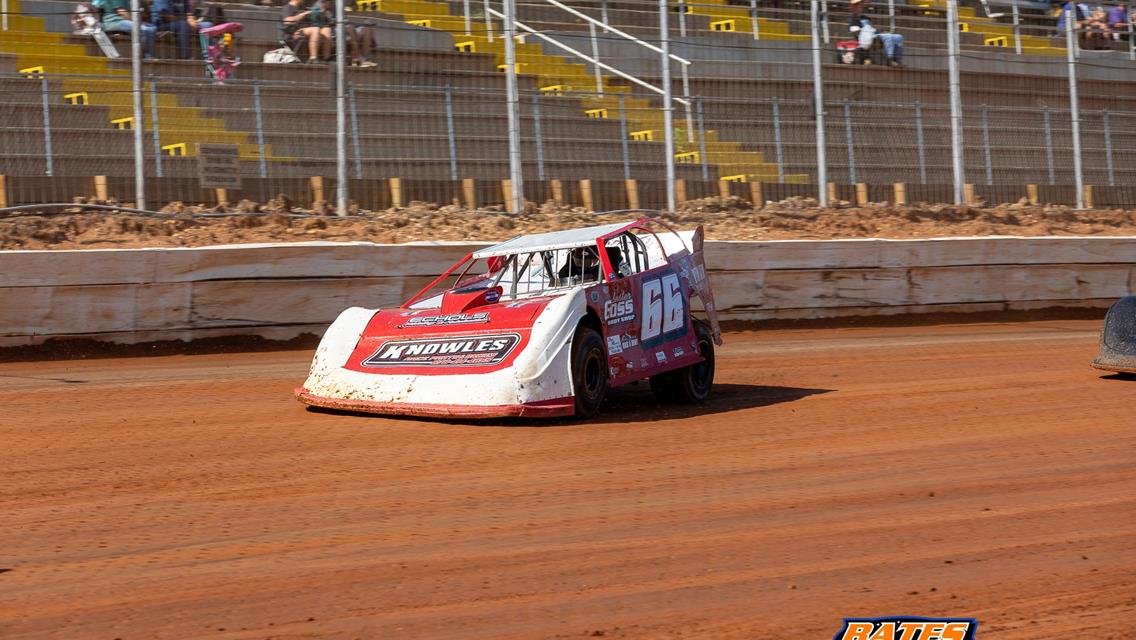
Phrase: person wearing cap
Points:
(861, 26)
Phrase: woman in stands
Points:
(861, 26)
(300, 23)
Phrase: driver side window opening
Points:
(627, 254)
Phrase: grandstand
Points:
(432, 114)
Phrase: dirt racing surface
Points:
(725, 219)
(971, 470)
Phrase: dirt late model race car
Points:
(537, 326)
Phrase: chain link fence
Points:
(430, 121)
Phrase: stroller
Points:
(217, 48)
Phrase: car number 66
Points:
(663, 310)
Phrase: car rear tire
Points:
(589, 371)
(689, 385)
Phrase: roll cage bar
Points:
(630, 245)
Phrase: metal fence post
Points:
(1048, 144)
(155, 133)
(340, 112)
(818, 108)
(702, 140)
(777, 141)
(451, 135)
(1131, 40)
(623, 139)
(540, 138)
(47, 153)
(686, 96)
(603, 12)
(919, 142)
(355, 132)
(1074, 111)
(824, 19)
(957, 170)
(4, 17)
(136, 91)
(259, 129)
(596, 57)
(488, 21)
(851, 143)
(513, 98)
(1108, 148)
(681, 18)
(668, 106)
(986, 146)
(1017, 28)
(753, 19)
(891, 16)
(467, 17)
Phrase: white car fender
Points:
(544, 369)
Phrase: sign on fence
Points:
(219, 166)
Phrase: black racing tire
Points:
(689, 385)
(589, 372)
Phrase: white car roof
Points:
(567, 239)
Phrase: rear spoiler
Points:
(701, 283)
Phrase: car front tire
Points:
(589, 372)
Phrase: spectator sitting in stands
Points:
(205, 15)
(116, 19)
(1087, 27)
(1118, 20)
(299, 23)
(361, 35)
(173, 16)
(861, 26)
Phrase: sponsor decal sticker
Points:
(461, 351)
(907, 628)
(492, 296)
(620, 307)
(594, 296)
(451, 319)
(613, 345)
(678, 352)
(660, 356)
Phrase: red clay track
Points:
(977, 470)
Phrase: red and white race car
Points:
(540, 325)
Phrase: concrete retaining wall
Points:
(280, 291)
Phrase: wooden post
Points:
(900, 191)
(632, 187)
(507, 194)
(3, 191)
(968, 193)
(470, 194)
(724, 189)
(1031, 193)
(861, 194)
(396, 191)
(680, 191)
(586, 194)
(317, 188)
(557, 193)
(101, 188)
(832, 195)
(1088, 191)
(755, 195)
(222, 196)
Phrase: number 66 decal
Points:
(663, 307)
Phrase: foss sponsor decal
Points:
(907, 628)
(449, 352)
